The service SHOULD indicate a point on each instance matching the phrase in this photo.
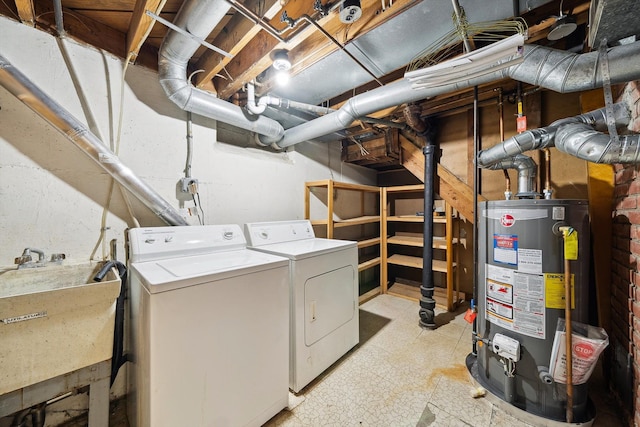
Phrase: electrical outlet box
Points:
(184, 184)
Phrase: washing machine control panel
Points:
(154, 243)
(263, 233)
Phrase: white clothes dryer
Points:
(209, 328)
(323, 294)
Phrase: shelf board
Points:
(413, 293)
(416, 262)
(343, 186)
(405, 188)
(368, 219)
(356, 221)
(406, 218)
(369, 263)
(406, 240)
(368, 242)
(416, 218)
(368, 295)
(417, 241)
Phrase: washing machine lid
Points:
(179, 272)
(302, 249)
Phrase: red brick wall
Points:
(625, 280)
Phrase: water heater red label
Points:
(507, 220)
(583, 349)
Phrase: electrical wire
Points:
(198, 207)
(103, 224)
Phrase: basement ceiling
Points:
(383, 40)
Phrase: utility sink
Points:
(54, 320)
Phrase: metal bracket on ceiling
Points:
(608, 98)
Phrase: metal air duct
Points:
(552, 69)
(526, 168)
(546, 137)
(199, 18)
(23, 89)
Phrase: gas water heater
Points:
(521, 297)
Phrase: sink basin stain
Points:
(53, 320)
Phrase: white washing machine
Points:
(209, 328)
(324, 294)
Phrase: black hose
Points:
(118, 357)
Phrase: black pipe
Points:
(118, 357)
(427, 303)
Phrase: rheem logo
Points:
(507, 220)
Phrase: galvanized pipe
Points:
(526, 168)
(57, 11)
(33, 97)
(535, 139)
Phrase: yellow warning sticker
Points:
(571, 244)
(554, 290)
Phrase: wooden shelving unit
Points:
(402, 240)
(369, 246)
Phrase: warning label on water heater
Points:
(515, 300)
(505, 249)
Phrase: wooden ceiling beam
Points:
(141, 24)
(83, 28)
(306, 47)
(26, 11)
(233, 38)
(254, 58)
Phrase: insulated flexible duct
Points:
(33, 97)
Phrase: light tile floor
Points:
(403, 375)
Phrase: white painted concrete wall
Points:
(52, 195)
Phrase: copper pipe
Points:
(547, 169)
(507, 178)
(568, 339)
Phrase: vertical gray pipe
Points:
(427, 303)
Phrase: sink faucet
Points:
(26, 261)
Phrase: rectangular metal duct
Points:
(613, 20)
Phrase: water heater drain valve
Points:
(506, 347)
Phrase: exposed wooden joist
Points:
(26, 10)
(254, 58)
(307, 47)
(317, 46)
(236, 35)
(84, 29)
(141, 24)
